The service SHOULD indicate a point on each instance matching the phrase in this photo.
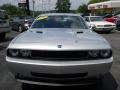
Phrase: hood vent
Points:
(79, 32)
(39, 32)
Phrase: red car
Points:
(112, 19)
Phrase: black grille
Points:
(59, 55)
(107, 25)
(59, 76)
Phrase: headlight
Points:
(13, 52)
(106, 53)
(100, 53)
(26, 25)
(93, 54)
(25, 53)
(18, 53)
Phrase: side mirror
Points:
(92, 27)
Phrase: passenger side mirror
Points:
(92, 27)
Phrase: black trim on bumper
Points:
(61, 82)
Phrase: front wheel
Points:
(108, 31)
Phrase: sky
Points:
(46, 5)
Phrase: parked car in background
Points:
(98, 24)
(4, 24)
(59, 50)
(118, 24)
(112, 19)
(21, 23)
(84, 14)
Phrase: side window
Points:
(87, 19)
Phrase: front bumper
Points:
(58, 73)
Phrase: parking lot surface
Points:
(110, 82)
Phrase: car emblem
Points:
(59, 46)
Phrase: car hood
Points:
(53, 38)
(102, 23)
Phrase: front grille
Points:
(59, 76)
(107, 25)
(59, 55)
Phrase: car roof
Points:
(93, 16)
(57, 14)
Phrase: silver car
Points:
(59, 50)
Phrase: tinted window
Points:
(59, 22)
(29, 17)
(96, 18)
(87, 19)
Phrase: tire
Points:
(108, 31)
(2, 36)
(20, 29)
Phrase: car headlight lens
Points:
(26, 25)
(25, 53)
(105, 53)
(94, 53)
(13, 53)
(18, 53)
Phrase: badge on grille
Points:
(59, 46)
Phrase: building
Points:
(108, 6)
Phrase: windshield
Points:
(59, 22)
(96, 18)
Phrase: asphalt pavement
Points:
(110, 82)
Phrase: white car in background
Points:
(98, 24)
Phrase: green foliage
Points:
(63, 6)
(96, 1)
(13, 10)
(83, 9)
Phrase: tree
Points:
(83, 8)
(63, 6)
(96, 1)
(12, 9)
